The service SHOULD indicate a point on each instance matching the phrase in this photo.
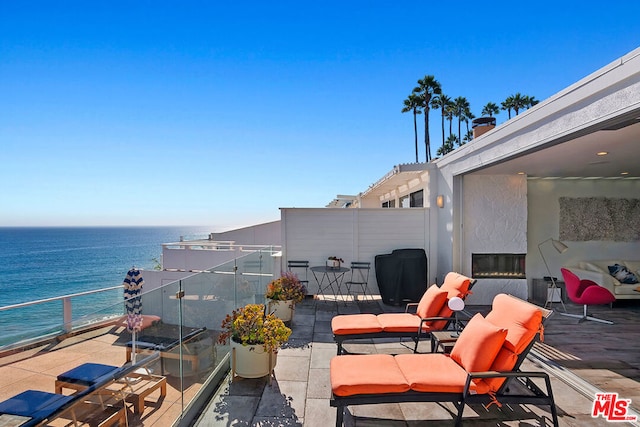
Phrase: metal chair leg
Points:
(586, 316)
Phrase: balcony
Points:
(299, 393)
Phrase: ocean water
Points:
(38, 263)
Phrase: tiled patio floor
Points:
(581, 359)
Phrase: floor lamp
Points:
(561, 248)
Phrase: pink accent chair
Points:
(586, 292)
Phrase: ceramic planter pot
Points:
(251, 361)
(283, 310)
(333, 263)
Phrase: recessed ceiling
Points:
(577, 157)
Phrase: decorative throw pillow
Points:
(622, 274)
(478, 344)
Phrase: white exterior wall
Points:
(494, 221)
(609, 93)
(222, 247)
(188, 258)
(261, 234)
(353, 235)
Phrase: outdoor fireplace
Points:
(498, 266)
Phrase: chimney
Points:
(482, 125)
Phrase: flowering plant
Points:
(250, 325)
(286, 287)
(335, 258)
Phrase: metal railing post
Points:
(66, 314)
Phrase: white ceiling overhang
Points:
(561, 136)
(399, 177)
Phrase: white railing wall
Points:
(353, 235)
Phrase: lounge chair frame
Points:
(534, 396)
(414, 336)
(537, 396)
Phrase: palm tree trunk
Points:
(426, 134)
(415, 131)
(442, 125)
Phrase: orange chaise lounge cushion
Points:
(456, 285)
(523, 321)
(347, 324)
(429, 306)
(366, 374)
(431, 373)
(475, 351)
(431, 302)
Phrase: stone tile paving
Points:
(299, 393)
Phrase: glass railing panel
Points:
(37, 320)
(255, 271)
(25, 323)
(181, 321)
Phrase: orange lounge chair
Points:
(488, 352)
(432, 314)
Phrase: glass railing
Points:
(181, 322)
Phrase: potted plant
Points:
(334, 262)
(283, 293)
(255, 338)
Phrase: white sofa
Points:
(598, 271)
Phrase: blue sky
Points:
(219, 113)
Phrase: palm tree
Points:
(450, 110)
(531, 101)
(448, 146)
(460, 105)
(441, 101)
(468, 115)
(507, 105)
(412, 103)
(467, 138)
(519, 102)
(490, 109)
(427, 87)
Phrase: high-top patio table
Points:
(329, 278)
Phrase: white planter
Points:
(332, 263)
(251, 361)
(283, 310)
